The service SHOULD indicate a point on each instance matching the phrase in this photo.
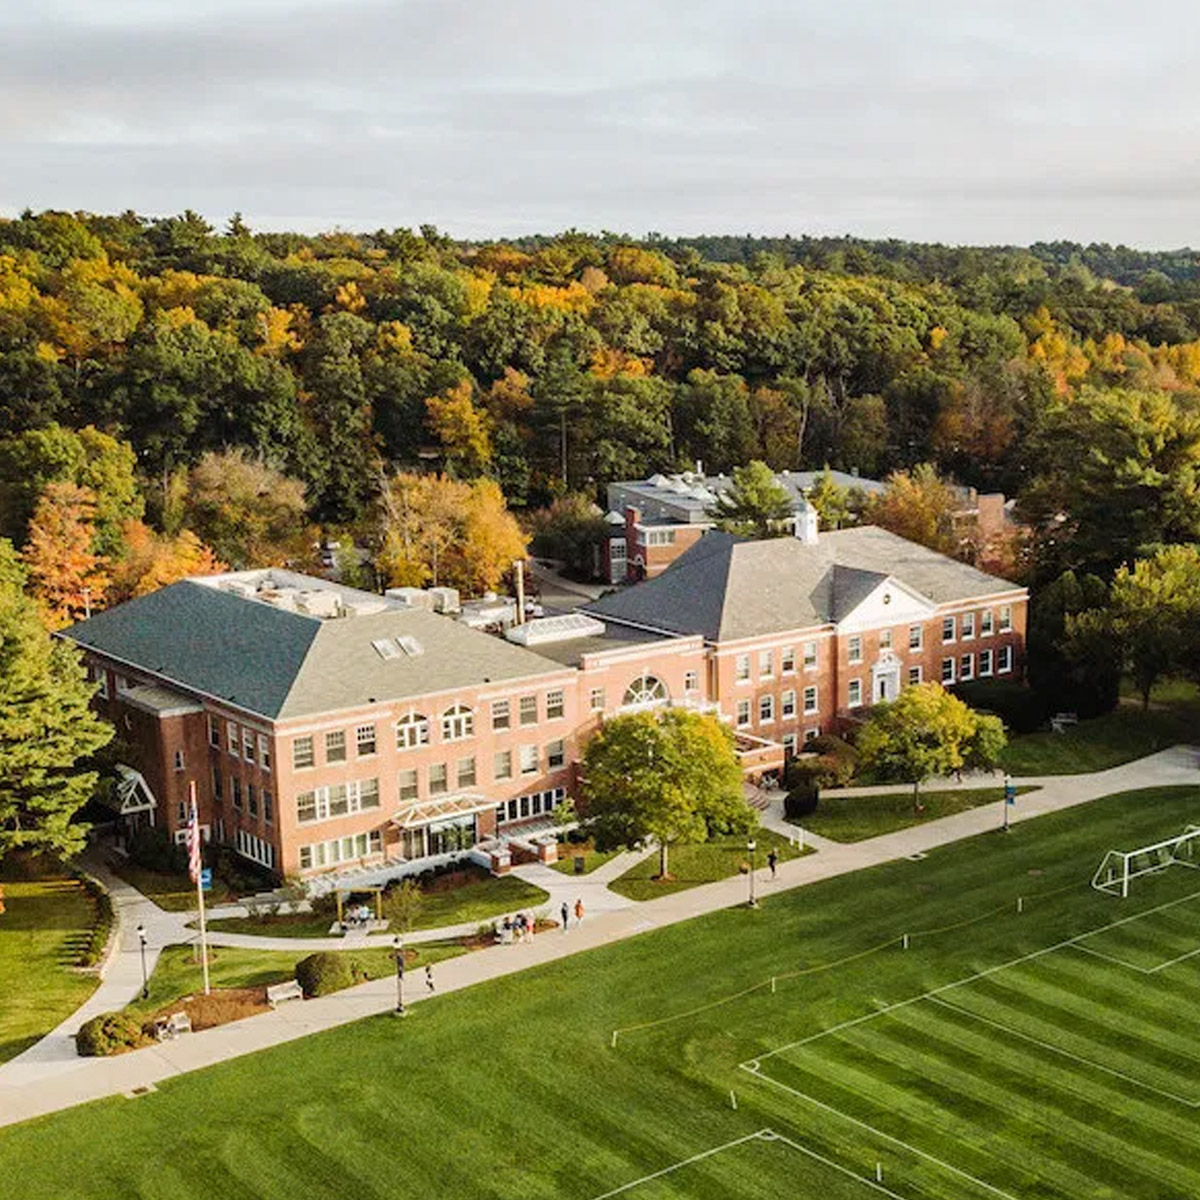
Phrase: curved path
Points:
(45, 1079)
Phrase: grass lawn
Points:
(702, 863)
(472, 902)
(43, 928)
(1059, 1074)
(592, 858)
(176, 893)
(854, 818)
(1117, 737)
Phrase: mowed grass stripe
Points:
(1091, 1030)
(1147, 943)
(977, 1074)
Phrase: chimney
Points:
(519, 565)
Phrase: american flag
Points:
(193, 840)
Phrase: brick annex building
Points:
(327, 728)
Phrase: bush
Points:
(801, 801)
(102, 921)
(109, 1033)
(153, 849)
(1020, 708)
(324, 972)
(835, 763)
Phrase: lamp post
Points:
(1010, 796)
(398, 943)
(750, 846)
(141, 932)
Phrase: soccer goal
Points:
(1119, 867)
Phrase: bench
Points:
(170, 1027)
(1060, 721)
(277, 993)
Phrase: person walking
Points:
(578, 912)
(772, 861)
(429, 977)
(566, 913)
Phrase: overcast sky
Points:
(947, 120)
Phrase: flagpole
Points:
(199, 875)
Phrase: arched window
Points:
(457, 723)
(412, 730)
(645, 691)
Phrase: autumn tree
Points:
(925, 732)
(669, 776)
(918, 505)
(66, 576)
(835, 505)
(152, 560)
(47, 729)
(755, 504)
(462, 429)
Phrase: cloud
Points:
(945, 121)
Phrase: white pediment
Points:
(891, 603)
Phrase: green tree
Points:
(831, 502)
(755, 504)
(925, 732)
(672, 776)
(46, 728)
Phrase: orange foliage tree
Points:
(152, 560)
(66, 577)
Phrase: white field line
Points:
(957, 983)
(1112, 958)
(754, 1069)
(1091, 1062)
(770, 1135)
(1172, 961)
(750, 1137)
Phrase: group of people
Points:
(566, 914)
(517, 929)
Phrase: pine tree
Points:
(46, 728)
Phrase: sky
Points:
(963, 121)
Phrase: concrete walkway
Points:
(31, 1084)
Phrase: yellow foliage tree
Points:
(463, 430)
(152, 560)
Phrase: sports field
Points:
(978, 1025)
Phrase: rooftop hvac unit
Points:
(363, 607)
(445, 599)
(412, 597)
(239, 587)
(318, 603)
(555, 629)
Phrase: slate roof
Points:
(282, 664)
(726, 587)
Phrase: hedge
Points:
(801, 801)
(109, 1033)
(92, 949)
(324, 972)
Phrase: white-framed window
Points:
(268, 806)
(179, 760)
(1004, 660)
(264, 751)
(409, 790)
(214, 731)
(885, 639)
(596, 700)
(218, 785)
(364, 741)
(660, 537)
(947, 670)
(986, 627)
(302, 752)
(789, 745)
(458, 722)
(741, 668)
(438, 782)
(811, 735)
(787, 660)
(502, 764)
(554, 705)
(645, 691)
(766, 664)
(985, 663)
(247, 744)
(966, 667)
(787, 704)
(337, 800)
(915, 637)
(914, 676)
(616, 549)
(233, 738)
(412, 730)
(766, 710)
(528, 758)
(968, 625)
(556, 754)
(949, 629)
(501, 714)
(255, 848)
(235, 792)
(101, 677)
(251, 800)
(810, 700)
(338, 850)
(1005, 623)
(810, 656)
(529, 710)
(464, 771)
(743, 713)
(335, 746)
(854, 650)
(691, 681)
(854, 693)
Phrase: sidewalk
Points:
(32, 1085)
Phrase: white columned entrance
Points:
(885, 678)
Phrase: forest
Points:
(308, 371)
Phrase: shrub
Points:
(102, 922)
(1020, 708)
(153, 849)
(324, 972)
(801, 801)
(109, 1033)
(835, 763)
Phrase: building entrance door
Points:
(885, 678)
